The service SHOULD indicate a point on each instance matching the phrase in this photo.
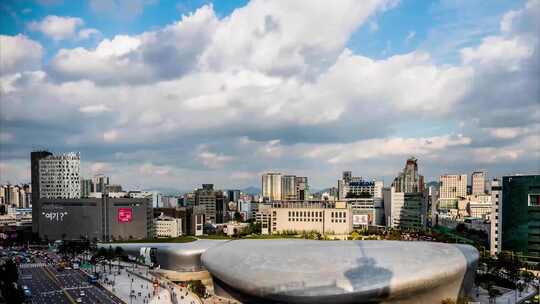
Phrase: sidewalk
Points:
(134, 289)
(507, 297)
(169, 292)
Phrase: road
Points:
(49, 285)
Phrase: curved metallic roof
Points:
(341, 271)
(194, 247)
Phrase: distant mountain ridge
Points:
(251, 190)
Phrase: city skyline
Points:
(175, 102)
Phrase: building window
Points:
(534, 200)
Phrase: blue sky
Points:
(236, 88)
(384, 34)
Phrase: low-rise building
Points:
(334, 218)
(234, 228)
(167, 227)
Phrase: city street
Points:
(49, 285)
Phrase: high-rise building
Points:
(100, 182)
(406, 210)
(206, 197)
(478, 181)
(59, 176)
(302, 188)
(515, 219)
(271, 186)
(288, 187)
(35, 157)
(356, 187)
(452, 186)
(87, 187)
(233, 195)
(406, 201)
(17, 196)
(409, 180)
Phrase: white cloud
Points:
(166, 53)
(277, 77)
(19, 53)
(91, 109)
(267, 36)
(6, 137)
(374, 148)
(57, 27)
(111, 136)
(213, 160)
(151, 169)
(88, 33)
(410, 36)
(99, 168)
(500, 51)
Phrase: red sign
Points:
(125, 215)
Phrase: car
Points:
(78, 300)
(82, 294)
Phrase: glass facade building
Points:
(521, 214)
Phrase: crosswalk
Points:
(32, 265)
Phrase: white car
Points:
(79, 300)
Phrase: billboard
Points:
(125, 215)
(360, 219)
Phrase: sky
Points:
(173, 94)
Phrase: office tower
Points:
(516, 215)
(271, 186)
(100, 182)
(86, 187)
(233, 195)
(478, 181)
(302, 188)
(409, 180)
(288, 187)
(59, 176)
(407, 210)
(452, 186)
(355, 187)
(35, 157)
(221, 208)
(407, 199)
(347, 176)
(206, 197)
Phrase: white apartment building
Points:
(478, 181)
(59, 176)
(476, 205)
(452, 186)
(307, 216)
(496, 217)
(167, 227)
(271, 186)
(288, 187)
